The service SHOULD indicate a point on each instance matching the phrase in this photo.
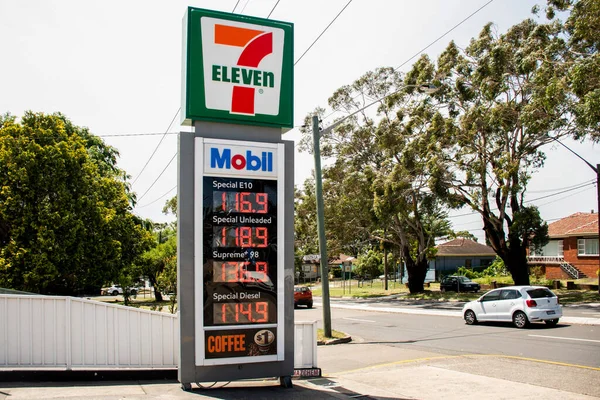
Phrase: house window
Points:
(587, 247)
(554, 248)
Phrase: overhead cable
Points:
(156, 180)
(273, 9)
(324, 30)
(156, 148)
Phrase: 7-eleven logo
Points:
(242, 66)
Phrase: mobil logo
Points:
(227, 158)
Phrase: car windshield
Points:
(539, 293)
(464, 279)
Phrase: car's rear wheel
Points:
(442, 289)
(470, 317)
(551, 322)
(115, 292)
(309, 305)
(520, 319)
(295, 305)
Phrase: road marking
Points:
(359, 320)
(416, 360)
(566, 338)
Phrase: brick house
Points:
(572, 251)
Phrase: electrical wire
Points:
(324, 30)
(273, 9)
(154, 201)
(156, 148)
(429, 45)
(236, 4)
(156, 180)
(243, 8)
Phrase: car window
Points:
(491, 296)
(464, 279)
(539, 293)
(509, 294)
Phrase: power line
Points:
(273, 9)
(156, 180)
(156, 148)
(243, 8)
(555, 189)
(430, 44)
(324, 30)
(154, 201)
(137, 134)
(236, 4)
(580, 186)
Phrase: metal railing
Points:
(571, 270)
(546, 259)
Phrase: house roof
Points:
(578, 224)
(316, 258)
(464, 247)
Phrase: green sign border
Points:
(193, 104)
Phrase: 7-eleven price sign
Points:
(237, 69)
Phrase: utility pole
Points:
(321, 227)
(597, 171)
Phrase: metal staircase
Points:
(572, 271)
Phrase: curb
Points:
(346, 339)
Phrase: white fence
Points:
(48, 332)
(66, 332)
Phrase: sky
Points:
(115, 67)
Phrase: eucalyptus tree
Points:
(506, 96)
(383, 177)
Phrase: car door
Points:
(506, 303)
(488, 304)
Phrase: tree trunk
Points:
(157, 293)
(416, 275)
(516, 263)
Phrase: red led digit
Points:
(224, 202)
(224, 236)
(223, 312)
(262, 201)
(262, 311)
(262, 236)
(261, 266)
(245, 236)
(244, 309)
(245, 203)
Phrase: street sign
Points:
(237, 69)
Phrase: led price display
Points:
(241, 271)
(242, 202)
(240, 236)
(241, 313)
(240, 251)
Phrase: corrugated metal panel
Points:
(66, 332)
(305, 344)
(71, 333)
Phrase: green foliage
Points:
(370, 263)
(65, 211)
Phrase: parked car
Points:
(459, 284)
(519, 304)
(115, 290)
(303, 296)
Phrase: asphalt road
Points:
(449, 335)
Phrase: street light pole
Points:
(425, 88)
(597, 171)
(321, 228)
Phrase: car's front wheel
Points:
(309, 305)
(442, 289)
(114, 293)
(551, 322)
(470, 317)
(520, 319)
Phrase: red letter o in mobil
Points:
(238, 161)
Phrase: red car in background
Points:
(302, 296)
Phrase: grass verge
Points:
(335, 335)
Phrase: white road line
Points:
(359, 320)
(566, 338)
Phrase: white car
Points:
(115, 290)
(519, 304)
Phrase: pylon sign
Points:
(237, 69)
